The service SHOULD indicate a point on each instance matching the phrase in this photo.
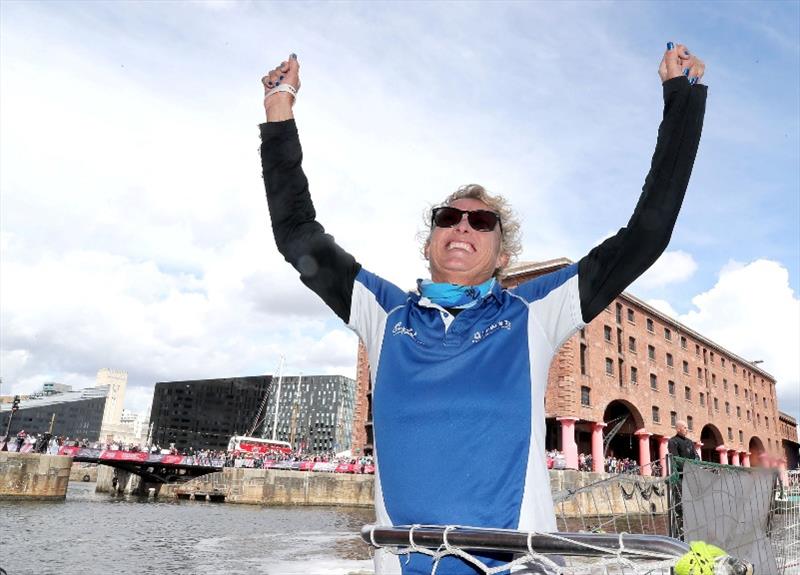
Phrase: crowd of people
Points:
(300, 461)
(25, 442)
(49, 444)
(612, 464)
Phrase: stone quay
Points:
(32, 476)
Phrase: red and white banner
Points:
(117, 455)
(172, 459)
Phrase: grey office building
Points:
(74, 414)
(315, 412)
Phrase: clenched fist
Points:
(678, 61)
(278, 105)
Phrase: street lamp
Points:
(14, 408)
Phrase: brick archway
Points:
(616, 407)
(623, 444)
(756, 449)
(711, 438)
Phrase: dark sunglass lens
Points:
(482, 220)
(446, 217)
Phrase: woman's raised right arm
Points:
(323, 265)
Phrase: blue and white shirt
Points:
(458, 401)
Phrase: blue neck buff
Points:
(454, 296)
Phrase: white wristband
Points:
(282, 88)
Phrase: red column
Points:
(723, 454)
(662, 454)
(598, 461)
(644, 451)
(734, 457)
(568, 445)
(783, 472)
(698, 447)
(745, 458)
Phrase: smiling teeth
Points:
(460, 246)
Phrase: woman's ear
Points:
(502, 260)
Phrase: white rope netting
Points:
(787, 518)
(605, 560)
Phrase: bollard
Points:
(151, 492)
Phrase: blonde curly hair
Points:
(511, 242)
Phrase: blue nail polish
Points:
(281, 78)
(277, 83)
(693, 81)
(686, 52)
(670, 46)
(686, 71)
(293, 56)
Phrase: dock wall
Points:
(127, 483)
(284, 487)
(33, 476)
(83, 472)
(278, 487)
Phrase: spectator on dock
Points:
(681, 446)
(21, 436)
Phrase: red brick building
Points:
(620, 385)
(791, 445)
(362, 413)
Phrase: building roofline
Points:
(522, 268)
(59, 398)
(686, 329)
(266, 375)
(785, 416)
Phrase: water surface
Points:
(98, 534)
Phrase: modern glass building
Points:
(315, 413)
(74, 414)
(205, 413)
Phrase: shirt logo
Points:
(400, 329)
(479, 336)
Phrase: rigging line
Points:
(261, 407)
(607, 439)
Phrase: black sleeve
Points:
(324, 266)
(613, 265)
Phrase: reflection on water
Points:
(97, 534)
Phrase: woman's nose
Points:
(463, 224)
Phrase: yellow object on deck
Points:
(699, 560)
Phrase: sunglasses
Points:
(479, 220)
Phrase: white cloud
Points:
(672, 267)
(753, 311)
(139, 399)
(664, 307)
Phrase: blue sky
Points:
(134, 230)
